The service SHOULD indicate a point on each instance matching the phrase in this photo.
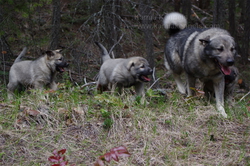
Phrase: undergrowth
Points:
(169, 129)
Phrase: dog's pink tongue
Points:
(62, 69)
(146, 78)
(225, 70)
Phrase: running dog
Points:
(123, 73)
(37, 74)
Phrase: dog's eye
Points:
(142, 66)
(232, 49)
(220, 49)
(60, 59)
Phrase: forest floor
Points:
(169, 129)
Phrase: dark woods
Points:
(126, 27)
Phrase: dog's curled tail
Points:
(104, 53)
(174, 22)
(19, 58)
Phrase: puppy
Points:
(36, 74)
(123, 73)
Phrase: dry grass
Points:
(166, 131)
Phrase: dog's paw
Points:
(222, 111)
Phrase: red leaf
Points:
(53, 159)
(107, 157)
(55, 165)
(64, 163)
(121, 151)
(114, 156)
(55, 152)
(62, 151)
(99, 162)
(124, 155)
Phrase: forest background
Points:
(128, 28)
(170, 129)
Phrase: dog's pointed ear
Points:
(130, 64)
(205, 41)
(58, 50)
(49, 53)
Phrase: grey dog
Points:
(122, 73)
(38, 73)
(204, 54)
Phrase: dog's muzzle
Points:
(225, 68)
(144, 76)
(60, 67)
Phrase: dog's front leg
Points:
(219, 86)
(139, 89)
(179, 83)
(113, 87)
(190, 84)
(53, 86)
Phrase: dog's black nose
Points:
(150, 71)
(230, 62)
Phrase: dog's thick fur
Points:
(36, 74)
(204, 54)
(230, 83)
(122, 73)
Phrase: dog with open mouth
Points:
(122, 73)
(36, 74)
(201, 53)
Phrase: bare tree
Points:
(146, 18)
(242, 6)
(246, 36)
(5, 53)
(219, 13)
(112, 24)
(186, 8)
(55, 32)
(177, 5)
(204, 4)
(231, 17)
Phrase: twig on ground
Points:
(244, 96)
(88, 84)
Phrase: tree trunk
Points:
(231, 17)
(55, 32)
(204, 4)
(146, 17)
(186, 9)
(242, 6)
(112, 25)
(219, 14)
(246, 40)
(5, 53)
(177, 5)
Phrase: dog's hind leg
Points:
(179, 83)
(11, 87)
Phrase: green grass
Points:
(167, 130)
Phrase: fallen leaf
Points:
(31, 112)
(79, 110)
(62, 111)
